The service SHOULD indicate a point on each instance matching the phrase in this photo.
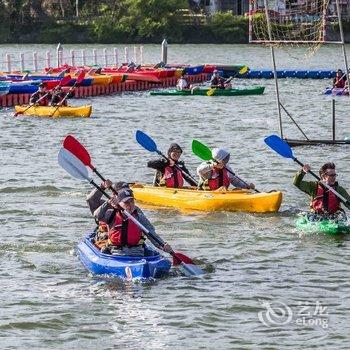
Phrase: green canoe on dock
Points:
(255, 90)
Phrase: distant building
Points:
(238, 7)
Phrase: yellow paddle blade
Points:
(211, 92)
(243, 70)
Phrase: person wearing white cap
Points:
(124, 236)
(215, 173)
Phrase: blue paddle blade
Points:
(279, 146)
(191, 270)
(145, 141)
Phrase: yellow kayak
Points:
(47, 111)
(193, 199)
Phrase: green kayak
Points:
(323, 226)
(255, 90)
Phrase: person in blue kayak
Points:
(182, 83)
(217, 81)
(213, 174)
(168, 172)
(124, 236)
(324, 203)
(339, 80)
(94, 201)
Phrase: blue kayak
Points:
(153, 265)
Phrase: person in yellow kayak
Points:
(168, 172)
(214, 174)
(324, 203)
(124, 236)
(58, 96)
(40, 97)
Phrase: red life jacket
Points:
(173, 177)
(325, 201)
(219, 178)
(339, 83)
(124, 232)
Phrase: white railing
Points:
(35, 61)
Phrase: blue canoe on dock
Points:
(153, 265)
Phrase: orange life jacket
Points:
(173, 177)
(219, 178)
(124, 232)
(325, 201)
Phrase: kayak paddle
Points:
(148, 143)
(243, 70)
(282, 148)
(204, 152)
(71, 144)
(75, 167)
(62, 82)
(77, 82)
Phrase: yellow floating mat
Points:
(47, 111)
(193, 199)
(101, 79)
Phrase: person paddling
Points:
(58, 96)
(124, 236)
(182, 83)
(40, 97)
(168, 173)
(94, 201)
(339, 80)
(215, 174)
(217, 81)
(324, 203)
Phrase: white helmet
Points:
(220, 154)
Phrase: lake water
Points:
(49, 300)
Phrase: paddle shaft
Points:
(342, 199)
(177, 167)
(64, 98)
(124, 212)
(41, 98)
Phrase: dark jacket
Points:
(161, 163)
(39, 94)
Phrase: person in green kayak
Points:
(182, 83)
(217, 81)
(324, 203)
(124, 236)
(168, 172)
(214, 174)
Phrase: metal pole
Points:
(116, 57)
(8, 62)
(48, 59)
(274, 69)
(21, 58)
(83, 57)
(105, 55)
(343, 43)
(94, 56)
(333, 118)
(126, 55)
(141, 55)
(35, 61)
(72, 57)
(164, 51)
